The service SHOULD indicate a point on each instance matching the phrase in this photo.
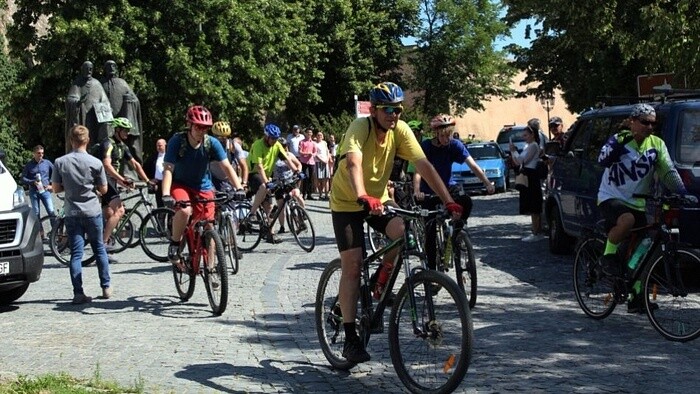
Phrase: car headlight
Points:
(493, 172)
(18, 197)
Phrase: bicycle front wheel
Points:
(329, 319)
(154, 233)
(214, 271)
(184, 281)
(594, 292)
(227, 229)
(248, 234)
(302, 228)
(672, 296)
(60, 247)
(432, 353)
(376, 239)
(465, 266)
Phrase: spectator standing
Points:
(79, 175)
(530, 197)
(556, 130)
(307, 154)
(322, 171)
(154, 169)
(293, 140)
(37, 176)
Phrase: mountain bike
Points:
(455, 250)
(667, 276)
(202, 253)
(227, 224)
(430, 334)
(254, 226)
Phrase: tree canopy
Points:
(596, 48)
(455, 64)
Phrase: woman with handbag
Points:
(528, 182)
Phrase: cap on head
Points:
(555, 120)
(534, 124)
(642, 110)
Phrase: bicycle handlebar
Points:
(674, 199)
(220, 198)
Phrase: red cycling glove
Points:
(453, 207)
(372, 203)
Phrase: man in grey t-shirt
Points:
(78, 174)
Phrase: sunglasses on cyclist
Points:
(645, 122)
(390, 109)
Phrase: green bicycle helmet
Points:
(415, 124)
(122, 123)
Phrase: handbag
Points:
(521, 182)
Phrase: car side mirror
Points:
(552, 148)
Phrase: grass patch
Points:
(62, 383)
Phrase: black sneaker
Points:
(354, 351)
(272, 239)
(610, 265)
(173, 253)
(637, 305)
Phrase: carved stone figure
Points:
(87, 105)
(124, 103)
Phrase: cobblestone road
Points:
(530, 335)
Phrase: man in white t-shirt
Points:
(293, 140)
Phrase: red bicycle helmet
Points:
(199, 115)
(442, 120)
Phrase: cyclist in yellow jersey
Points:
(366, 157)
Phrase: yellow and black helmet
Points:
(221, 129)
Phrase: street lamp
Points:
(547, 101)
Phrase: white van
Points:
(21, 249)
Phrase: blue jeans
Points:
(45, 198)
(76, 227)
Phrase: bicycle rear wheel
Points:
(214, 271)
(137, 220)
(46, 234)
(60, 248)
(594, 292)
(228, 236)
(123, 234)
(248, 233)
(301, 227)
(465, 266)
(329, 319)
(184, 281)
(154, 233)
(673, 304)
(376, 239)
(437, 356)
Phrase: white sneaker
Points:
(533, 238)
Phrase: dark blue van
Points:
(570, 205)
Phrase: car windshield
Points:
(690, 138)
(505, 135)
(483, 152)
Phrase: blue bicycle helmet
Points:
(271, 130)
(386, 93)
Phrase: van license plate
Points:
(4, 268)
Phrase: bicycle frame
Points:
(375, 316)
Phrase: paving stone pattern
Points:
(530, 335)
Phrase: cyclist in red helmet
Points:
(186, 174)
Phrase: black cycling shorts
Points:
(613, 209)
(111, 194)
(350, 230)
(254, 182)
